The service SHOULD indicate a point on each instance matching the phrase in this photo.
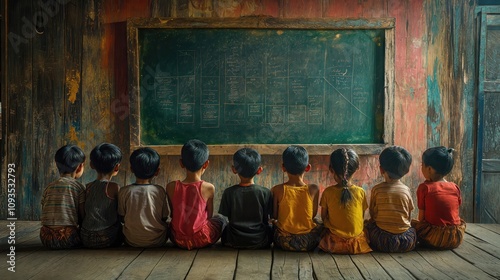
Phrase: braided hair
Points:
(344, 162)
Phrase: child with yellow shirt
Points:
(296, 204)
(342, 208)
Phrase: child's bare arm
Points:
(314, 191)
(277, 192)
(208, 192)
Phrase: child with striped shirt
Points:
(389, 228)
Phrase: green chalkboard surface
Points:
(261, 86)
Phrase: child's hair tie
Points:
(451, 150)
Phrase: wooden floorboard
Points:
(477, 258)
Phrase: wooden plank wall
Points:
(68, 84)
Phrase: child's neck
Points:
(295, 180)
(192, 177)
(104, 177)
(68, 175)
(139, 181)
(245, 182)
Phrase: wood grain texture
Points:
(434, 66)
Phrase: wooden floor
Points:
(477, 258)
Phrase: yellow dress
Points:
(344, 229)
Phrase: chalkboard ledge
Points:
(273, 149)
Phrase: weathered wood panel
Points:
(48, 116)
(19, 132)
(434, 65)
(478, 258)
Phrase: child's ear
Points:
(308, 168)
(80, 168)
(283, 167)
(205, 165)
(330, 167)
(259, 170)
(180, 162)
(234, 169)
(157, 172)
(382, 171)
(117, 167)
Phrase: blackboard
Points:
(261, 85)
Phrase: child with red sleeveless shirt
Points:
(191, 202)
(295, 205)
(438, 200)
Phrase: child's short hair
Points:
(194, 154)
(104, 157)
(396, 161)
(295, 159)
(439, 158)
(246, 161)
(144, 162)
(68, 158)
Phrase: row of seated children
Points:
(74, 215)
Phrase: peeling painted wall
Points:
(69, 85)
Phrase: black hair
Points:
(104, 157)
(295, 159)
(144, 162)
(246, 161)
(68, 158)
(194, 154)
(344, 162)
(439, 158)
(396, 161)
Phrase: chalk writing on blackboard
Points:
(262, 86)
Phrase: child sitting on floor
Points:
(143, 205)
(101, 226)
(191, 201)
(63, 201)
(247, 206)
(295, 204)
(342, 208)
(389, 229)
(438, 201)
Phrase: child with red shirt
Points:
(439, 224)
(192, 202)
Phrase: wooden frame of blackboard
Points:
(387, 24)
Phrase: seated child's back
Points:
(101, 226)
(439, 224)
(63, 201)
(143, 205)
(247, 206)
(191, 201)
(295, 204)
(391, 203)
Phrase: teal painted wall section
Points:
(451, 72)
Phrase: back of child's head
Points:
(144, 163)
(104, 157)
(246, 162)
(194, 154)
(295, 159)
(344, 162)
(68, 158)
(439, 158)
(395, 161)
